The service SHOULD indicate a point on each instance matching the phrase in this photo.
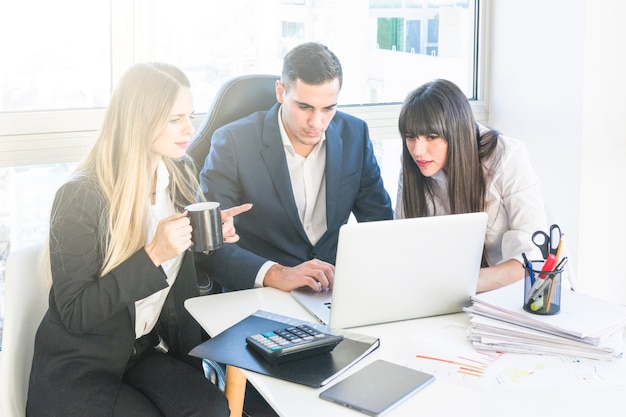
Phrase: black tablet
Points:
(377, 388)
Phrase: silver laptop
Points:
(394, 270)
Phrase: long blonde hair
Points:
(120, 162)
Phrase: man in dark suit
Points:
(306, 167)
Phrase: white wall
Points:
(603, 229)
(557, 82)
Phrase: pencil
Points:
(559, 248)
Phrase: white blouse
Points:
(514, 203)
(148, 309)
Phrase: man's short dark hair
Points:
(312, 63)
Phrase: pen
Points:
(542, 286)
(548, 265)
(531, 273)
(561, 264)
(529, 268)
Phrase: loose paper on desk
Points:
(442, 349)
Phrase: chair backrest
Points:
(26, 302)
(237, 98)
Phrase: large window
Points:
(61, 59)
(55, 55)
(370, 40)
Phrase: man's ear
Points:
(280, 91)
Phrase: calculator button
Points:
(288, 335)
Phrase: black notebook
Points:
(230, 348)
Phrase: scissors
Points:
(548, 242)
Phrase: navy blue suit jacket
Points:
(247, 164)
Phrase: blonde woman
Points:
(116, 337)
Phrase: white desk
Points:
(218, 312)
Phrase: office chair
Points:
(238, 97)
(26, 303)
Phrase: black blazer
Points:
(84, 341)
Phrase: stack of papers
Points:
(586, 326)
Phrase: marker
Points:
(548, 265)
(536, 305)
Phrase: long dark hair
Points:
(440, 107)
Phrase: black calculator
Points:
(292, 342)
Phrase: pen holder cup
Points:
(542, 290)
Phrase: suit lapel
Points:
(274, 157)
(334, 163)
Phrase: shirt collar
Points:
(287, 143)
(163, 176)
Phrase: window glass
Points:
(55, 55)
(387, 49)
(66, 62)
(386, 3)
(390, 34)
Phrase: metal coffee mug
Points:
(206, 224)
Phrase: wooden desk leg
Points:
(235, 390)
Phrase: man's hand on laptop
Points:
(316, 274)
